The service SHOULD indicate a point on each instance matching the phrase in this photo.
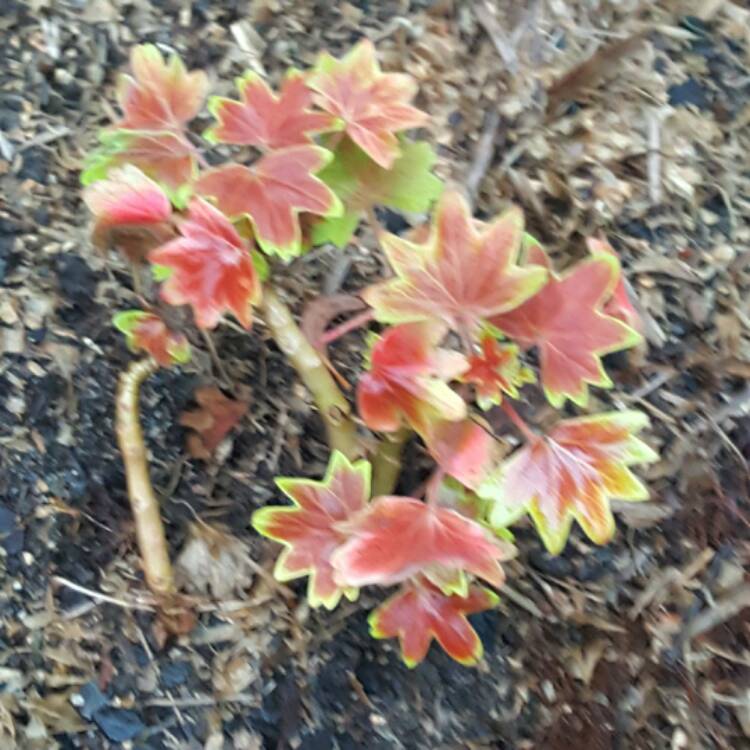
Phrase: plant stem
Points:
(356, 321)
(149, 528)
(333, 407)
(519, 422)
(386, 463)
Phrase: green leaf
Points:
(360, 183)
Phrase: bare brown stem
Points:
(386, 462)
(334, 408)
(149, 529)
(519, 422)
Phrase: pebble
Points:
(88, 700)
(119, 724)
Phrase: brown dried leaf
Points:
(212, 422)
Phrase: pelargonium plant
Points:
(473, 315)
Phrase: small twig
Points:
(218, 364)
(519, 422)
(728, 606)
(483, 153)
(45, 138)
(355, 322)
(98, 596)
(654, 158)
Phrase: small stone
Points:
(88, 700)
(119, 724)
(175, 674)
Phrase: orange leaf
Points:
(373, 105)
(420, 612)
(272, 193)
(566, 321)
(570, 474)
(211, 268)
(464, 274)
(266, 120)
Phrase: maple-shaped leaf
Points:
(619, 305)
(360, 183)
(159, 95)
(311, 529)
(465, 273)
(211, 422)
(419, 612)
(272, 193)
(496, 370)
(130, 211)
(266, 120)
(212, 269)
(373, 105)
(461, 449)
(147, 332)
(407, 380)
(566, 321)
(571, 473)
(399, 537)
(167, 157)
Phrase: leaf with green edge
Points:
(266, 120)
(407, 380)
(571, 473)
(160, 95)
(496, 370)
(212, 269)
(373, 105)
(168, 158)
(131, 212)
(272, 193)
(619, 305)
(567, 324)
(399, 537)
(312, 529)
(361, 183)
(464, 274)
(147, 332)
(419, 612)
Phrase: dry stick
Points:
(149, 528)
(386, 462)
(333, 407)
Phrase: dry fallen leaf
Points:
(212, 422)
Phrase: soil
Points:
(644, 643)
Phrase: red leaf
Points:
(462, 449)
(159, 95)
(312, 529)
(420, 612)
(212, 422)
(398, 537)
(147, 332)
(495, 371)
(619, 304)
(212, 268)
(373, 105)
(272, 193)
(571, 474)
(129, 208)
(265, 120)
(407, 380)
(464, 274)
(566, 322)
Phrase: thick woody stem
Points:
(149, 528)
(386, 462)
(334, 408)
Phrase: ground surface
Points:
(642, 644)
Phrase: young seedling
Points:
(466, 303)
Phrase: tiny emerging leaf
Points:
(312, 529)
(420, 612)
(148, 333)
(570, 474)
